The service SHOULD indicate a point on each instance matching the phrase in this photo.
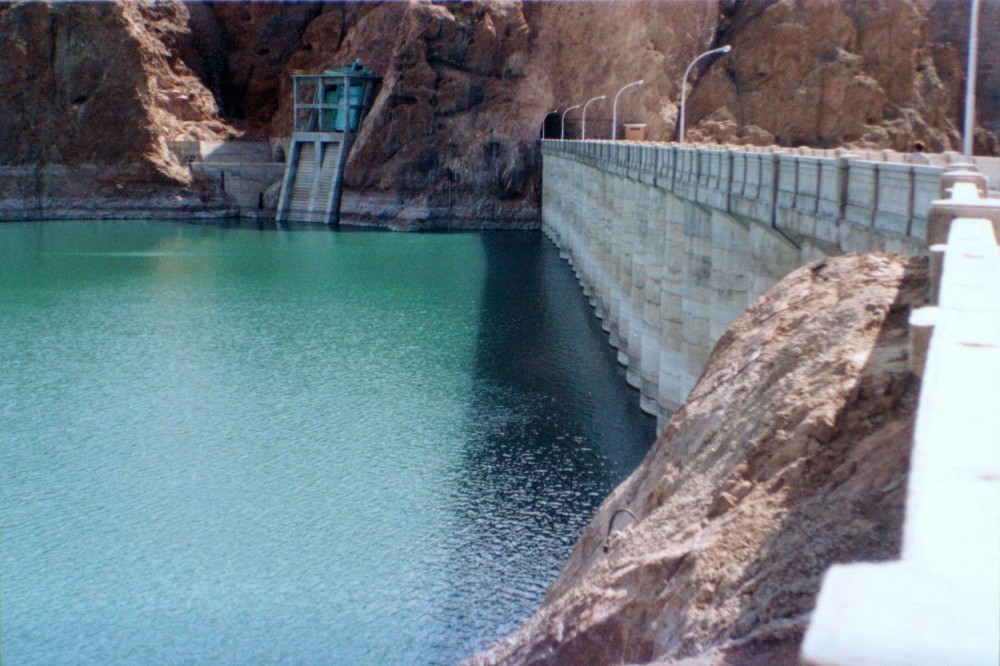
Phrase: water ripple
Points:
(245, 447)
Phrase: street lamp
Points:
(969, 126)
(583, 135)
(614, 108)
(546, 118)
(724, 49)
(563, 123)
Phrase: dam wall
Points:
(671, 243)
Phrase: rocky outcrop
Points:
(828, 73)
(950, 25)
(790, 454)
(243, 50)
(449, 138)
(99, 83)
(90, 93)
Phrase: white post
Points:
(614, 108)
(724, 49)
(583, 134)
(562, 128)
(969, 127)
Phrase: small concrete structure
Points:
(635, 132)
(244, 169)
(329, 108)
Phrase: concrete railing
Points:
(847, 201)
(940, 603)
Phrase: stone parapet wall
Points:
(671, 243)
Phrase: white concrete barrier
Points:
(940, 603)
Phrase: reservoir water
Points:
(258, 446)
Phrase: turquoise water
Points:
(245, 446)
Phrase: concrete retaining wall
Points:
(672, 243)
(244, 169)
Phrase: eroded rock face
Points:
(99, 83)
(790, 454)
(950, 25)
(245, 48)
(450, 138)
(828, 73)
(90, 93)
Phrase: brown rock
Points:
(251, 45)
(442, 128)
(828, 73)
(950, 26)
(790, 454)
(99, 83)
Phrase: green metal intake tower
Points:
(329, 109)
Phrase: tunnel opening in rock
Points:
(552, 126)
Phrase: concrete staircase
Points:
(302, 181)
(312, 180)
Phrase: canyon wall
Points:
(467, 86)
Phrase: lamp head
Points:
(726, 49)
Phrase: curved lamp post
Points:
(723, 49)
(563, 123)
(614, 108)
(583, 135)
(969, 124)
(546, 118)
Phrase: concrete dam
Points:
(671, 243)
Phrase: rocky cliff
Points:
(90, 93)
(790, 454)
(467, 86)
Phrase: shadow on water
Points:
(554, 429)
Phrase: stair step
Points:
(309, 198)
